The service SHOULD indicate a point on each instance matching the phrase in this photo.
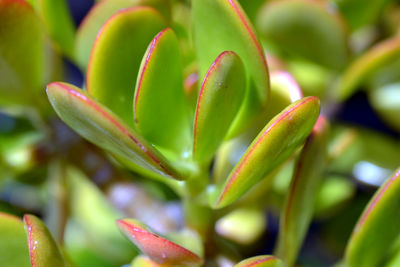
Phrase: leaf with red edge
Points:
(378, 227)
(13, 245)
(21, 53)
(299, 205)
(160, 109)
(43, 249)
(159, 249)
(260, 261)
(274, 144)
(116, 57)
(222, 25)
(100, 126)
(219, 101)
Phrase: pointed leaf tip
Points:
(276, 142)
(157, 248)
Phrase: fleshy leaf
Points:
(274, 144)
(13, 243)
(116, 56)
(159, 249)
(305, 29)
(260, 261)
(300, 198)
(221, 25)
(43, 249)
(377, 228)
(143, 261)
(160, 106)
(219, 101)
(100, 126)
(97, 16)
(21, 61)
(365, 66)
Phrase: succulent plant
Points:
(192, 124)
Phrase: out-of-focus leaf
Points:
(274, 144)
(160, 107)
(91, 236)
(98, 15)
(305, 29)
(43, 249)
(299, 204)
(100, 126)
(159, 249)
(13, 242)
(358, 14)
(244, 225)
(366, 65)
(143, 261)
(221, 25)
(116, 56)
(260, 261)
(386, 101)
(21, 53)
(377, 228)
(59, 23)
(219, 101)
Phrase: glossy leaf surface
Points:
(221, 25)
(21, 53)
(275, 143)
(43, 250)
(13, 242)
(160, 106)
(219, 101)
(377, 228)
(100, 126)
(116, 56)
(260, 261)
(365, 66)
(305, 29)
(159, 249)
(299, 205)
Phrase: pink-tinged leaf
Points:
(299, 205)
(222, 25)
(160, 110)
(116, 56)
(218, 103)
(100, 126)
(378, 227)
(260, 261)
(13, 245)
(43, 250)
(143, 261)
(159, 249)
(273, 145)
(366, 65)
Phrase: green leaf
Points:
(219, 101)
(143, 261)
(305, 29)
(58, 21)
(97, 16)
(43, 249)
(221, 25)
(21, 53)
(159, 249)
(299, 204)
(366, 65)
(274, 144)
(100, 126)
(377, 228)
(13, 241)
(160, 106)
(260, 261)
(386, 101)
(116, 56)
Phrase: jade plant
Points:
(205, 133)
